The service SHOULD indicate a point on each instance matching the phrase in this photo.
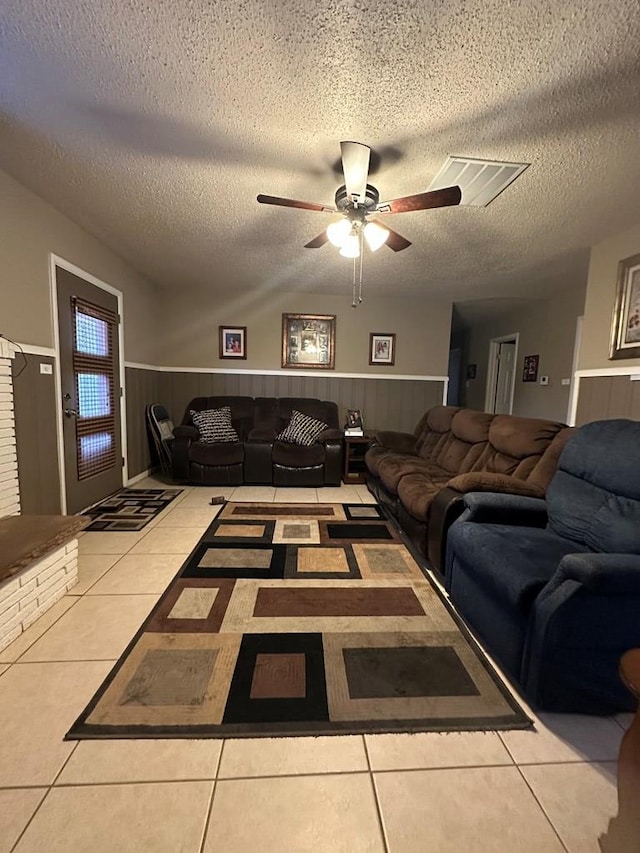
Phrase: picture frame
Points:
(382, 348)
(232, 341)
(354, 419)
(625, 323)
(308, 341)
(530, 368)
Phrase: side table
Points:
(623, 832)
(355, 447)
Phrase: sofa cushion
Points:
(242, 411)
(464, 443)
(516, 445)
(217, 454)
(214, 425)
(594, 497)
(302, 429)
(417, 491)
(512, 563)
(296, 456)
(436, 424)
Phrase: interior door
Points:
(88, 326)
(504, 378)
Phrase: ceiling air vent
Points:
(480, 180)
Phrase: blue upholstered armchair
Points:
(552, 587)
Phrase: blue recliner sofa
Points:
(551, 587)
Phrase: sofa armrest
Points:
(186, 431)
(608, 574)
(581, 623)
(450, 504)
(398, 442)
(499, 508)
(330, 435)
(483, 481)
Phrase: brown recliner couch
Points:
(421, 477)
(257, 457)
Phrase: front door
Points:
(88, 326)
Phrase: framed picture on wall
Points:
(382, 348)
(308, 340)
(530, 368)
(233, 341)
(625, 324)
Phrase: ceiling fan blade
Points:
(355, 167)
(422, 201)
(394, 241)
(292, 202)
(318, 241)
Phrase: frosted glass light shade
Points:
(338, 232)
(351, 247)
(375, 235)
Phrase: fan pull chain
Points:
(354, 304)
(361, 260)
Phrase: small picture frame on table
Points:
(233, 341)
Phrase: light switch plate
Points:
(46, 368)
(566, 382)
(544, 380)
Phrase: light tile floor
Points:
(548, 789)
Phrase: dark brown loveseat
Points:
(421, 477)
(258, 457)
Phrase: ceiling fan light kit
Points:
(356, 200)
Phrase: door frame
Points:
(575, 379)
(492, 370)
(57, 261)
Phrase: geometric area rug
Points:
(299, 619)
(129, 509)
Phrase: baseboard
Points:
(141, 476)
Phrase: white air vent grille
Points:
(480, 180)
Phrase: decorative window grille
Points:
(94, 371)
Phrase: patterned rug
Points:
(129, 509)
(299, 619)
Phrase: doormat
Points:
(308, 619)
(129, 509)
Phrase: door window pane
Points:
(92, 335)
(94, 395)
(94, 446)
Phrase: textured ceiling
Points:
(155, 124)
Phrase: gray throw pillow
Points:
(302, 429)
(214, 425)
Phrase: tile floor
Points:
(548, 789)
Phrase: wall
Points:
(600, 298)
(190, 329)
(36, 438)
(546, 327)
(31, 229)
(190, 340)
(384, 403)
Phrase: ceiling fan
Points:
(357, 200)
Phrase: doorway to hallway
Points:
(501, 374)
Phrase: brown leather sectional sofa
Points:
(421, 477)
(258, 457)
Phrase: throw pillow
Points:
(214, 425)
(302, 429)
